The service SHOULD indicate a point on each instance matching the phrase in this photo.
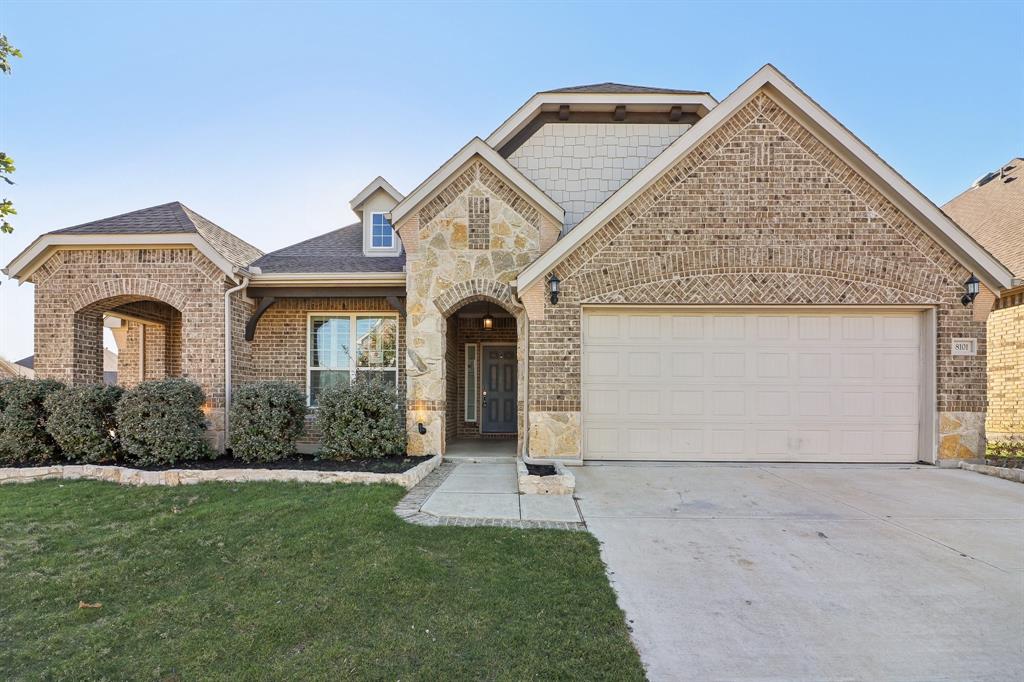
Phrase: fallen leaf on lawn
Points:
(87, 605)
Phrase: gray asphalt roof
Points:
(173, 217)
(338, 251)
(616, 88)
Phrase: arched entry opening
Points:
(147, 332)
(482, 376)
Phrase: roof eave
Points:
(33, 256)
(703, 102)
(326, 278)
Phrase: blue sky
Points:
(268, 117)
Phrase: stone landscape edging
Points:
(1006, 473)
(172, 477)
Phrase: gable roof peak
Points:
(610, 88)
(378, 183)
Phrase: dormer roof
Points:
(378, 183)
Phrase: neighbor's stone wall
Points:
(760, 212)
(279, 348)
(447, 270)
(74, 288)
(1006, 373)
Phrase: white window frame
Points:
(389, 247)
(353, 367)
(472, 399)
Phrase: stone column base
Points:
(961, 435)
(555, 435)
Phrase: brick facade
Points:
(760, 212)
(279, 348)
(73, 289)
(1005, 417)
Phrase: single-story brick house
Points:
(992, 211)
(616, 272)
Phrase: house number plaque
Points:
(965, 346)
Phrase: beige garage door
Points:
(805, 386)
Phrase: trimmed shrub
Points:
(23, 435)
(1010, 447)
(266, 418)
(162, 423)
(363, 420)
(82, 420)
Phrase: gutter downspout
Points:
(227, 356)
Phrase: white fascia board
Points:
(476, 147)
(328, 279)
(376, 184)
(524, 114)
(844, 143)
(29, 260)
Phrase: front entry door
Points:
(499, 390)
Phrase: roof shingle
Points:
(620, 88)
(993, 213)
(171, 218)
(338, 251)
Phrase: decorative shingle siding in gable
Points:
(579, 165)
(446, 269)
(760, 212)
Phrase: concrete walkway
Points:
(814, 572)
(490, 490)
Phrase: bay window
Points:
(342, 345)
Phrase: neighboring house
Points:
(615, 272)
(14, 370)
(992, 211)
(109, 366)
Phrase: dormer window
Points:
(382, 235)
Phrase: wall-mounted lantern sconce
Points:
(972, 287)
(422, 429)
(553, 284)
(488, 321)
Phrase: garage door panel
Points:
(770, 387)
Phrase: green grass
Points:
(273, 581)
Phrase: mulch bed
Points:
(540, 469)
(387, 465)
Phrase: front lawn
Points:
(276, 581)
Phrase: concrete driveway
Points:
(814, 572)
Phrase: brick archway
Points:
(128, 289)
(474, 290)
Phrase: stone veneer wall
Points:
(73, 289)
(446, 271)
(579, 165)
(760, 212)
(1006, 373)
(279, 346)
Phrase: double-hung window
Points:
(342, 345)
(382, 235)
